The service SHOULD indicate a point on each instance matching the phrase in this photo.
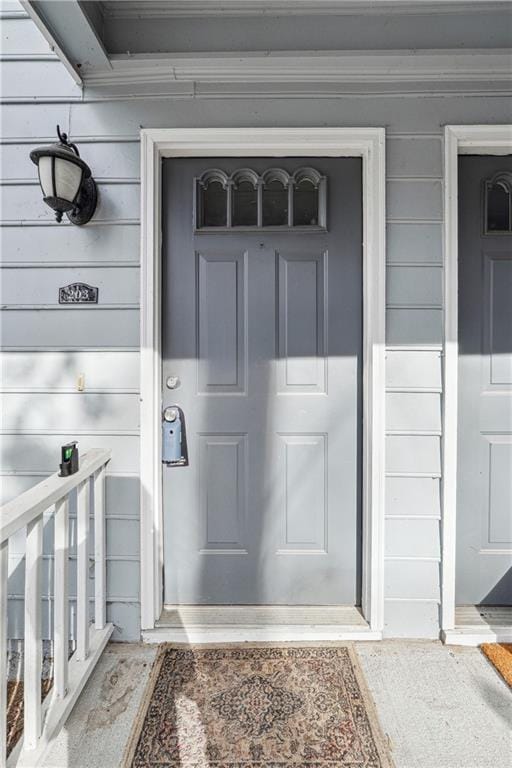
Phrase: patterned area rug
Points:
(254, 706)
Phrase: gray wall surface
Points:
(47, 345)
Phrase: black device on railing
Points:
(69, 459)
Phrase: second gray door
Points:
(262, 338)
(484, 479)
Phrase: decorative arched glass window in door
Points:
(498, 204)
(276, 198)
(212, 199)
(247, 200)
(244, 198)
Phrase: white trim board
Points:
(475, 625)
(367, 143)
(475, 637)
(160, 9)
(458, 139)
(245, 633)
(480, 65)
(207, 624)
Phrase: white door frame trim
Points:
(367, 143)
(458, 140)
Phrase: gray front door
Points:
(262, 332)
(484, 500)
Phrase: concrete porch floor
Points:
(440, 707)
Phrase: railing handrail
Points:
(29, 505)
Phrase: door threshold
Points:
(477, 624)
(235, 624)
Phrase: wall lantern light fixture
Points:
(66, 180)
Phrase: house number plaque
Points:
(78, 293)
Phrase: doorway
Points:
(365, 143)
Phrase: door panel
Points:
(484, 492)
(301, 323)
(222, 308)
(223, 491)
(303, 506)
(263, 329)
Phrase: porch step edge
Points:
(252, 633)
(474, 636)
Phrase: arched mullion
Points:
(229, 212)
(291, 188)
(259, 192)
(281, 178)
(244, 197)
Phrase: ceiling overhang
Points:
(74, 30)
(71, 34)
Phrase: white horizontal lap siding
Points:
(20, 36)
(45, 243)
(39, 78)
(115, 286)
(112, 161)
(400, 115)
(29, 120)
(70, 327)
(414, 387)
(83, 412)
(49, 346)
(56, 371)
(23, 202)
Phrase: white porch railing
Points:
(43, 721)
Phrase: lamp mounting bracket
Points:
(85, 204)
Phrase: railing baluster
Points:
(61, 609)
(33, 645)
(99, 549)
(4, 552)
(82, 572)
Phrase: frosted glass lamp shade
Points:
(45, 169)
(60, 178)
(66, 181)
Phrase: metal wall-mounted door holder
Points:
(173, 437)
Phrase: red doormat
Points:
(252, 706)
